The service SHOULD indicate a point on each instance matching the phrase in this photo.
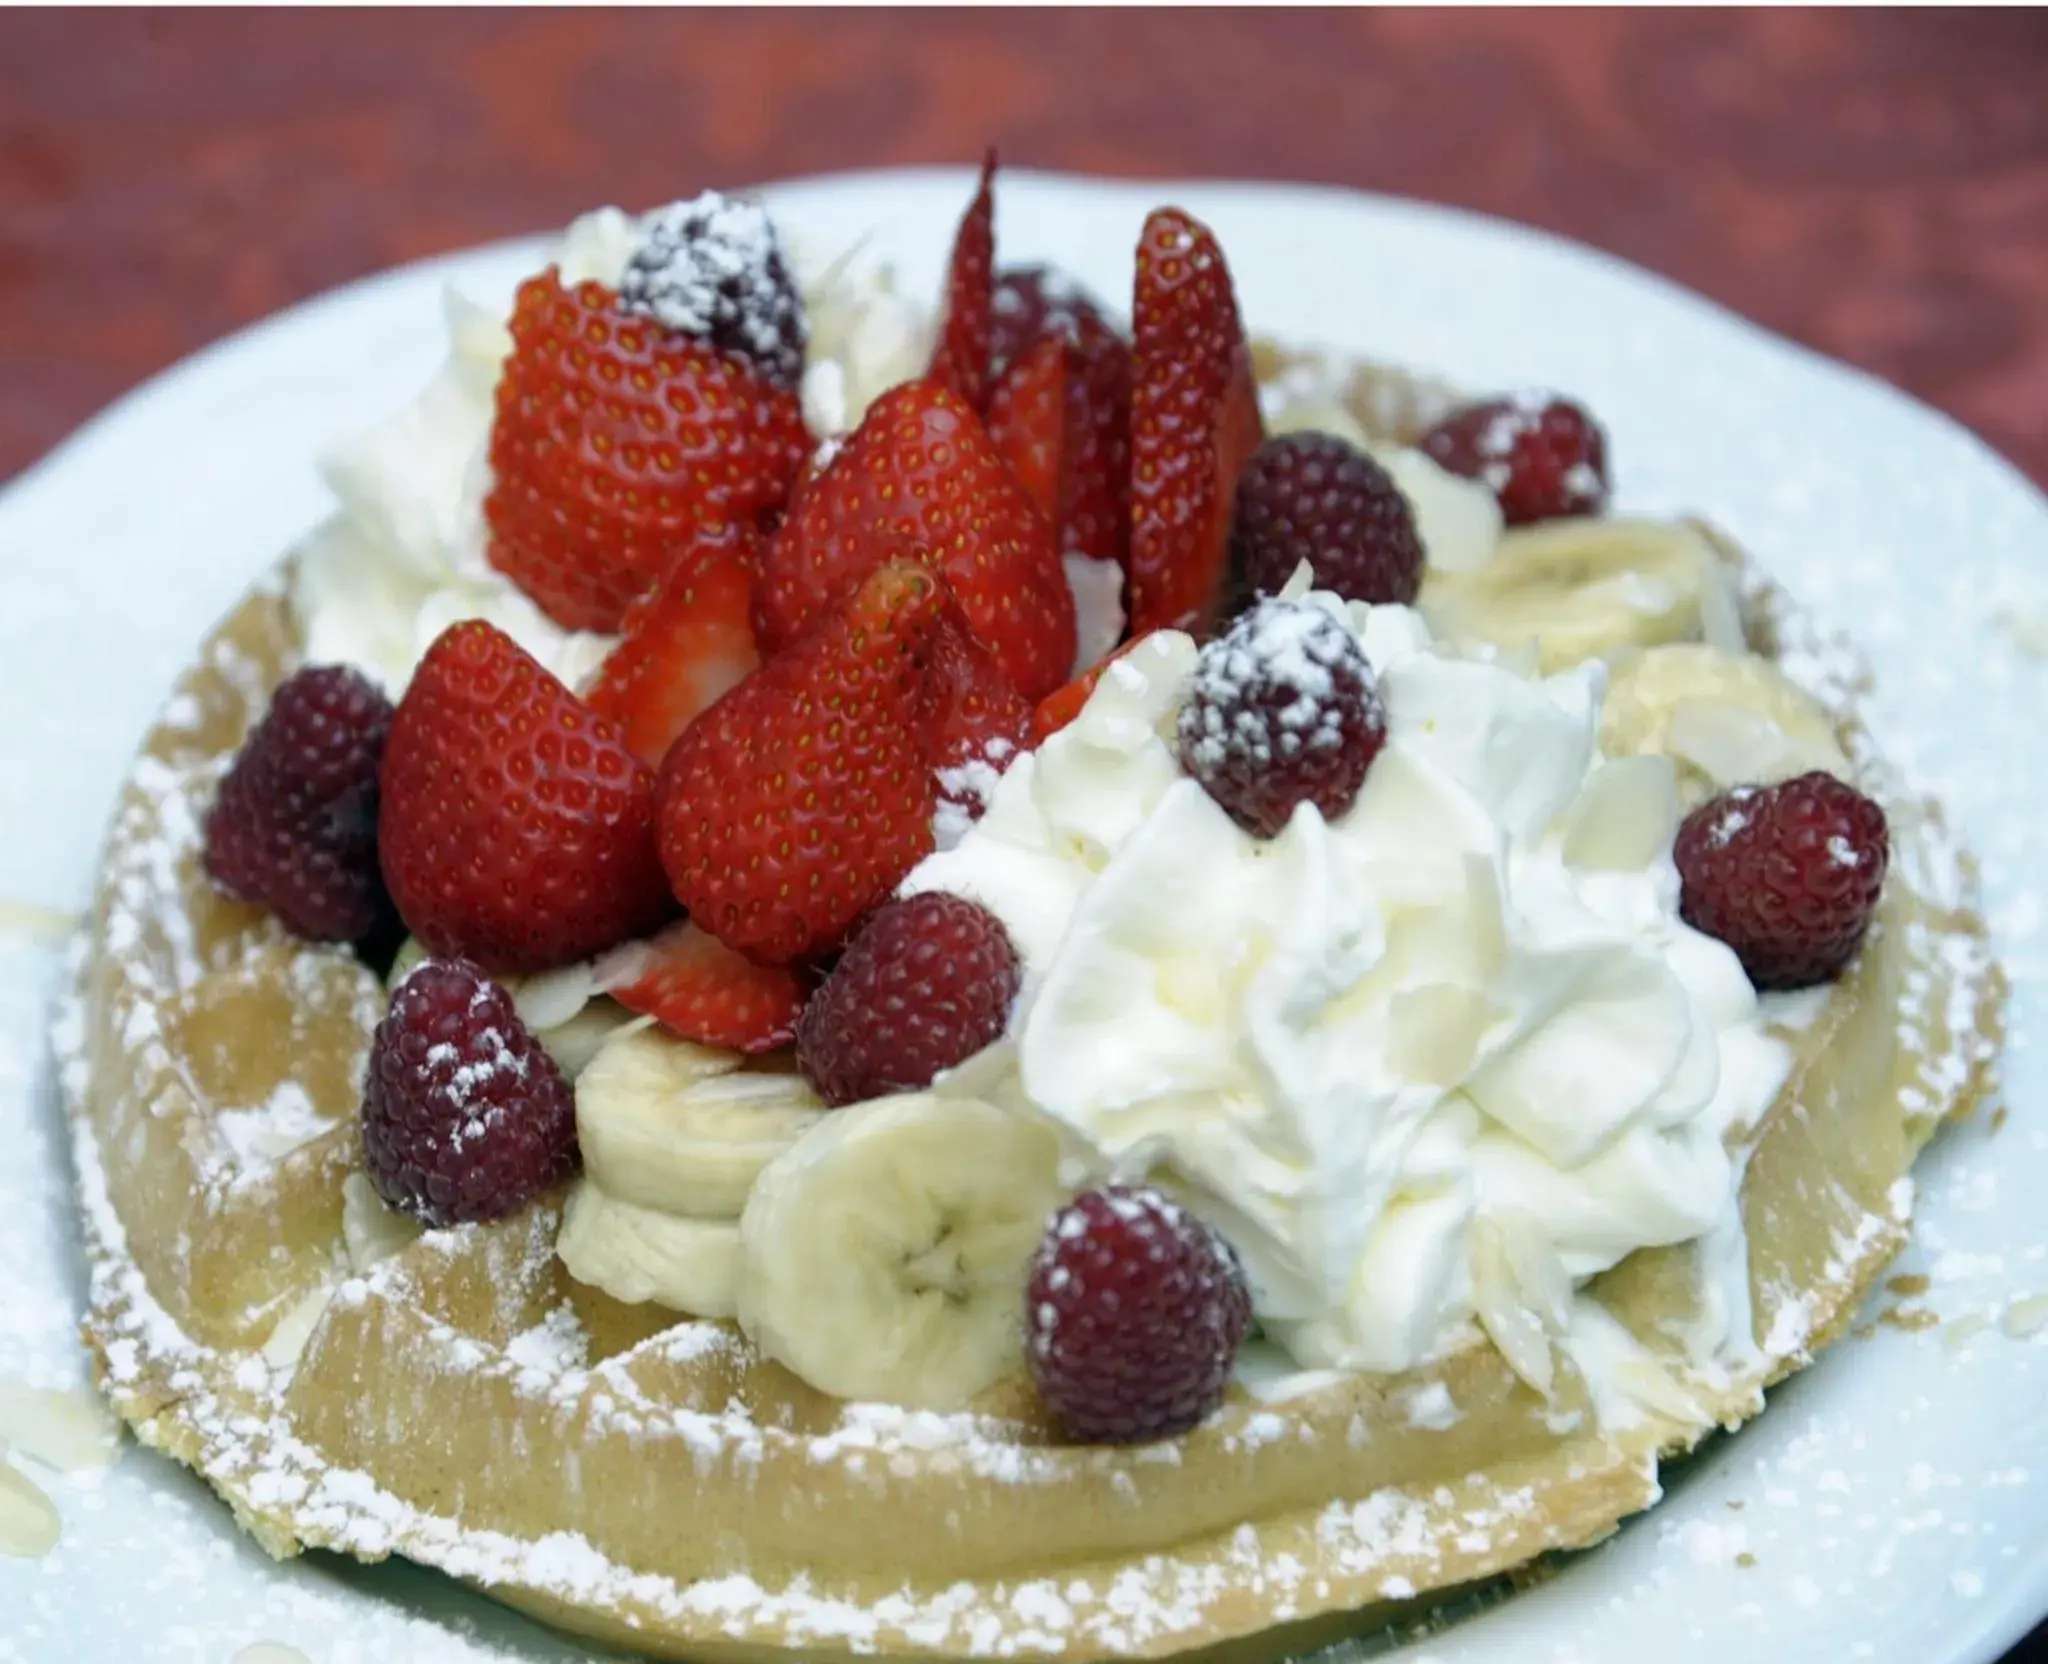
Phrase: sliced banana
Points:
(685, 1128)
(638, 1254)
(1725, 719)
(883, 1258)
(1586, 588)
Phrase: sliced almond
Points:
(1436, 1031)
(28, 1518)
(1625, 818)
(69, 1431)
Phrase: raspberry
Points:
(294, 825)
(1031, 301)
(1133, 1316)
(713, 268)
(1311, 497)
(465, 1115)
(1543, 456)
(1282, 709)
(1786, 875)
(926, 984)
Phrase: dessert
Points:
(1165, 994)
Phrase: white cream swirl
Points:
(404, 555)
(1461, 1015)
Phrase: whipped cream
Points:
(404, 555)
(1455, 1040)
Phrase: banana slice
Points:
(1584, 589)
(685, 1128)
(884, 1256)
(1725, 719)
(638, 1254)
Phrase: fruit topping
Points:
(1027, 422)
(1314, 497)
(961, 361)
(799, 800)
(713, 269)
(927, 983)
(1063, 704)
(1282, 709)
(686, 641)
(1133, 1316)
(1194, 424)
(1032, 302)
(1543, 456)
(615, 440)
(979, 720)
(1787, 875)
(465, 1115)
(882, 1259)
(294, 825)
(1093, 509)
(700, 989)
(517, 828)
(919, 479)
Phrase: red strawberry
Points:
(1062, 705)
(1094, 511)
(1027, 420)
(920, 479)
(801, 798)
(1194, 424)
(977, 715)
(686, 642)
(697, 987)
(962, 359)
(516, 828)
(615, 440)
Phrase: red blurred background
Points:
(1873, 184)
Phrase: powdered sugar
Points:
(712, 267)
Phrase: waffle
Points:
(457, 1399)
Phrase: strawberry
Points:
(1031, 304)
(686, 642)
(978, 718)
(615, 439)
(697, 987)
(1027, 419)
(1063, 704)
(1194, 424)
(962, 359)
(919, 478)
(801, 798)
(516, 827)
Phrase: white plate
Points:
(1892, 1504)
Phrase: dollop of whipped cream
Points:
(1461, 1021)
(405, 554)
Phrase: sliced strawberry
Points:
(1027, 421)
(979, 720)
(961, 361)
(800, 799)
(1062, 705)
(686, 642)
(516, 828)
(697, 987)
(1194, 424)
(615, 440)
(1032, 303)
(919, 478)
